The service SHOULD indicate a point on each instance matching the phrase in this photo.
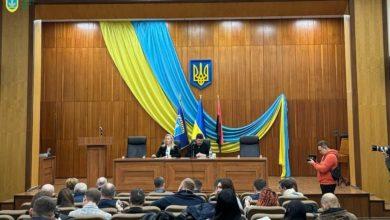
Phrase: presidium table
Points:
(130, 173)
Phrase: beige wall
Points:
(13, 102)
(349, 89)
(370, 75)
(36, 106)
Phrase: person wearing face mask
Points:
(168, 148)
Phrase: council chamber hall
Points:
(173, 109)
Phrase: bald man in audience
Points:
(48, 188)
(107, 200)
(332, 209)
(184, 196)
(100, 182)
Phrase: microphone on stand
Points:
(192, 149)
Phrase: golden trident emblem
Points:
(200, 75)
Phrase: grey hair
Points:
(329, 200)
(48, 188)
(80, 188)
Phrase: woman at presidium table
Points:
(168, 148)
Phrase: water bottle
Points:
(210, 153)
(167, 153)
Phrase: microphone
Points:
(192, 149)
(101, 131)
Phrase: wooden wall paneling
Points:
(80, 152)
(49, 36)
(49, 81)
(82, 66)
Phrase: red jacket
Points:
(328, 163)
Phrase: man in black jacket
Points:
(184, 196)
(137, 199)
(107, 201)
(199, 148)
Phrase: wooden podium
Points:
(47, 169)
(96, 157)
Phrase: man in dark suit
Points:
(184, 196)
(198, 148)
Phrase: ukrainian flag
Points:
(199, 122)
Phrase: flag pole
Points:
(218, 121)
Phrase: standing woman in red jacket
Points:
(324, 168)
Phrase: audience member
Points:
(184, 196)
(198, 186)
(107, 200)
(213, 197)
(227, 207)
(226, 183)
(294, 182)
(36, 197)
(65, 198)
(258, 185)
(287, 188)
(137, 199)
(295, 210)
(267, 198)
(44, 208)
(332, 210)
(79, 192)
(92, 197)
(163, 215)
(48, 188)
(159, 185)
(100, 182)
(216, 182)
(70, 183)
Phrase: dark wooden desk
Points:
(131, 173)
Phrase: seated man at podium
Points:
(198, 148)
(168, 148)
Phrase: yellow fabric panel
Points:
(127, 54)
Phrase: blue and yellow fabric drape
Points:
(199, 122)
(147, 61)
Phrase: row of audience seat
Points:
(255, 212)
